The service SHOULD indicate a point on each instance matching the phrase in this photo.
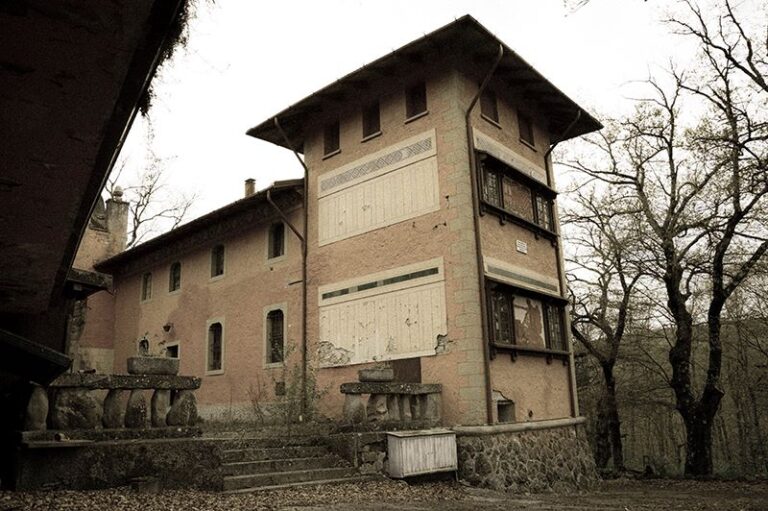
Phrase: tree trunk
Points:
(602, 434)
(614, 424)
(698, 457)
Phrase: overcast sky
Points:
(248, 60)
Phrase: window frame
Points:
(171, 289)
(214, 261)
(208, 325)
(282, 308)
(414, 96)
(331, 137)
(550, 305)
(270, 241)
(492, 178)
(367, 117)
(145, 287)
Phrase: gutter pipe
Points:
(303, 239)
(478, 243)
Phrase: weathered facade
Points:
(424, 237)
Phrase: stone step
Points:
(274, 453)
(262, 442)
(339, 480)
(291, 477)
(281, 465)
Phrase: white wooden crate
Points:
(426, 451)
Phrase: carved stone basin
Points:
(153, 365)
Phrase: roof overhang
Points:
(72, 75)
(217, 224)
(464, 40)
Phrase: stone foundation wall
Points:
(367, 450)
(175, 462)
(529, 457)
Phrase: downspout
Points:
(303, 238)
(478, 242)
(566, 319)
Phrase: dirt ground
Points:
(621, 495)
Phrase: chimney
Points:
(117, 221)
(250, 186)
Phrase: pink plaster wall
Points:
(237, 299)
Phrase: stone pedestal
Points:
(136, 412)
(75, 409)
(183, 410)
(114, 409)
(354, 408)
(161, 402)
(37, 410)
(377, 407)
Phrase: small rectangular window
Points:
(526, 128)
(488, 106)
(174, 277)
(215, 347)
(416, 100)
(276, 240)
(217, 261)
(371, 120)
(172, 350)
(275, 336)
(331, 138)
(146, 286)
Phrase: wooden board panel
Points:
(399, 195)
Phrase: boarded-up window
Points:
(174, 277)
(146, 286)
(416, 100)
(275, 336)
(371, 120)
(276, 240)
(215, 347)
(217, 261)
(399, 313)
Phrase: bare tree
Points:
(154, 208)
(603, 275)
(702, 190)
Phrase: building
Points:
(432, 245)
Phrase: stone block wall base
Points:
(536, 460)
(171, 463)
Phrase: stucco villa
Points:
(424, 237)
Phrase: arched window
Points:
(174, 277)
(275, 336)
(215, 347)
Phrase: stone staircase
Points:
(254, 464)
